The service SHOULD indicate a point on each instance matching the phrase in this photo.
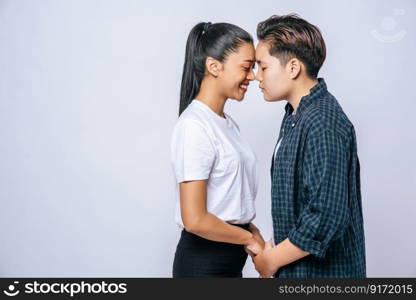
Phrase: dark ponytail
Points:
(205, 39)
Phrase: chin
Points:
(269, 98)
(239, 97)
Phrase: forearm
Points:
(286, 252)
(212, 228)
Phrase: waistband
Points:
(189, 237)
(243, 226)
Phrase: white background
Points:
(88, 99)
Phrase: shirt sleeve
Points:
(192, 152)
(325, 186)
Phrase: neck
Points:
(210, 96)
(300, 90)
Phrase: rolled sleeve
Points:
(325, 214)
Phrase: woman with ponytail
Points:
(215, 169)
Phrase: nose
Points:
(258, 77)
(251, 75)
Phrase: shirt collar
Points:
(315, 92)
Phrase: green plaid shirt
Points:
(316, 197)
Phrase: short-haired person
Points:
(315, 172)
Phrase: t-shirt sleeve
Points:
(192, 152)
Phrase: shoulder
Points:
(192, 116)
(194, 113)
(326, 114)
(191, 126)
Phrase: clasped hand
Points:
(261, 253)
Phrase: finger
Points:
(249, 247)
(254, 249)
(248, 251)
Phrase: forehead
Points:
(245, 53)
(262, 52)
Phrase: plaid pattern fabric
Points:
(316, 196)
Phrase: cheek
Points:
(230, 86)
(236, 79)
(225, 81)
(270, 81)
(239, 77)
(231, 79)
(276, 86)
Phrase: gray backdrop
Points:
(88, 99)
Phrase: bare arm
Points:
(196, 218)
(268, 261)
(286, 252)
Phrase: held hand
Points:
(249, 252)
(254, 247)
(264, 261)
(257, 236)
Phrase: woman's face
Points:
(237, 72)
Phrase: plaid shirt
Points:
(316, 197)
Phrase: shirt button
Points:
(293, 124)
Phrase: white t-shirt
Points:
(205, 145)
(278, 144)
(276, 148)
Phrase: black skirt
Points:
(199, 257)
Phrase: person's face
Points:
(237, 72)
(274, 79)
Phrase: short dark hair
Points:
(291, 36)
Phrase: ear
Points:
(213, 66)
(294, 66)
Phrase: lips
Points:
(244, 85)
